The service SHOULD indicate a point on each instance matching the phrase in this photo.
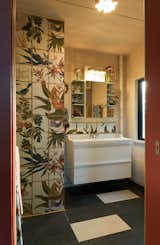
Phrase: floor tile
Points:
(117, 196)
(82, 204)
(123, 238)
(73, 200)
(91, 229)
(48, 229)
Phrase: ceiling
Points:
(85, 28)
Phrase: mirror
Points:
(96, 99)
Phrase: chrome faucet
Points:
(92, 135)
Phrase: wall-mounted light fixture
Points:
(106, 6)
(95, 76)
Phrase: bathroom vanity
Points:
(94, 158)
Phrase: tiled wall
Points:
(87, 128)
(40, 111)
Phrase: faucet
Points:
(96, 135)
(93, 133)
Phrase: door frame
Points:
(7, 124)
(152, 71)
(7, 127)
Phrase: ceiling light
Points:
(106, 6)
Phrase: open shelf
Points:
(78, 99)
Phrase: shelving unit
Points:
(112, 94)
(78, 99)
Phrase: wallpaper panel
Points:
(40, 111)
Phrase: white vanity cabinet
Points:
(97, 159)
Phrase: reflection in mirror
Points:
(95, 99)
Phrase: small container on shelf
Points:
(77, 99)
(111, 100)
(110, 74)
(77, 110)
(77, 87)
(110, 111)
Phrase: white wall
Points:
(138, 167)
(135, 70)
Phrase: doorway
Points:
(153, 38)
(40, 110)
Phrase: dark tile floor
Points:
(82, 204)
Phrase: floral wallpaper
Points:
(40, 111)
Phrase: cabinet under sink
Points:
(100, 158)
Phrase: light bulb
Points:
(100, 6)
(106, 6)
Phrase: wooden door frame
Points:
(7, 124)
(152, 60)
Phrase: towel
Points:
(18, 180)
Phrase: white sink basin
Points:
(96, 138)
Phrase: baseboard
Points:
(101, 187)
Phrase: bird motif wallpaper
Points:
(40, 92)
